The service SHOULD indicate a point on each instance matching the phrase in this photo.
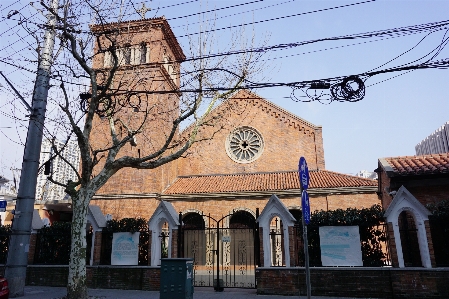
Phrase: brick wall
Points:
(352, 282)
(97, 248)
(32, 250)
(333, 282)
(99, 277)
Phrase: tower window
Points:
(143, 53)
(127, 54)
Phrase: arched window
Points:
(108, 59)
(164, 238)
(143, 53)
(277, 242)
(193, 221)
(127, 54)
(242, 219)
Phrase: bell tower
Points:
(144, 88)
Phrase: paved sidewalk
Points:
(39, 292)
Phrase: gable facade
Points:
(284, 137)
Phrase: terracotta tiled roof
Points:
(260, 182)
(419, 165)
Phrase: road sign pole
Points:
(306, 255)
(304, 180)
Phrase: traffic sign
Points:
(305, 204)
(303, 174)
(2, 205)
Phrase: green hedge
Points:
(371, 229)
(53, 244)
(5, 232)
(439, 227)
(131, 225)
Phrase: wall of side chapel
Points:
(426, 192)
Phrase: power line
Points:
(213, 10)
(235, 14)
(394, 32)
(278, 18)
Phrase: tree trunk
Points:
(76, 285)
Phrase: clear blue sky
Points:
(392, 118)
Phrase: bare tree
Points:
(136, 99)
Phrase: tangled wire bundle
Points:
(107, 105)
(351, 89)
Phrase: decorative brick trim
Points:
(150, 238)
(261, 256)
(174, 243)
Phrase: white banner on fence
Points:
(125, 249)
(340, 246)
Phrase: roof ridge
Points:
(418, 156)
(235, 174)
(344, 174)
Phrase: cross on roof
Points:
(143, 10)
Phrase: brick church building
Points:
(253, 155)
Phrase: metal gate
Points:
(223, 250)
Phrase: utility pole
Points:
(19, 243)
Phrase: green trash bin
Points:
(176, 278)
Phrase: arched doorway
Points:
(222, 249)
(240, 248)
(409, 240)
(194, 239)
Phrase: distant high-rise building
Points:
(367, 174)
(435, 143)
(61, 170)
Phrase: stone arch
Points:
(242, 218)
(275, 208)
(164, 213)
(190, 211)
(244, 209)
(405, 201)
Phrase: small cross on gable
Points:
(143, 10)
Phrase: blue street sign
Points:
(305, 206)
(2, 205)
(303, 173)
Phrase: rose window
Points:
(244, 145)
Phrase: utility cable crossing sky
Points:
(314, 52)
